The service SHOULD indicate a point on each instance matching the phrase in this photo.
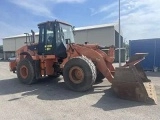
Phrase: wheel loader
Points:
(80, 65)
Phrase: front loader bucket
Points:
(130, 82)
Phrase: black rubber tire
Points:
(89, 71)
(100, 76)
(53, 76)
(30, 79)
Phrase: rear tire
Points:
(79, 74)
(25, 72)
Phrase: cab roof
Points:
(54, 22)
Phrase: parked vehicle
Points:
(1, 58)
(12, 58)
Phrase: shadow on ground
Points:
(45, 89)
(109, 101)
(48, 89)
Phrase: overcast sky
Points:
(139, 18)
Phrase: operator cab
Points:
(52, 38)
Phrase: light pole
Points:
(119, 34)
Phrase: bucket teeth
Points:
(152, 97)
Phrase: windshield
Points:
(67, 32)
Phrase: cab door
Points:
(46, 40)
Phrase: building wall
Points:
(116, 27)
(1, 55)
(101, 36)
(12, 44)
(9, 45)
(117, 40)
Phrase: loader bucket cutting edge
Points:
(130, 82)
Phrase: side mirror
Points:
(73, 30)
(68, 41)
(85, 43)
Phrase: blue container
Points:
(150, 46)
(157, 57)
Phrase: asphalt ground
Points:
(50, 99)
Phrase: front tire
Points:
(100, 76)
(25, 72)
(79, 74)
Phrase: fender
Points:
(26, 55)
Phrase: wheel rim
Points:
(76, 75)
(24, 71)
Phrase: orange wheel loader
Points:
(80, 64)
